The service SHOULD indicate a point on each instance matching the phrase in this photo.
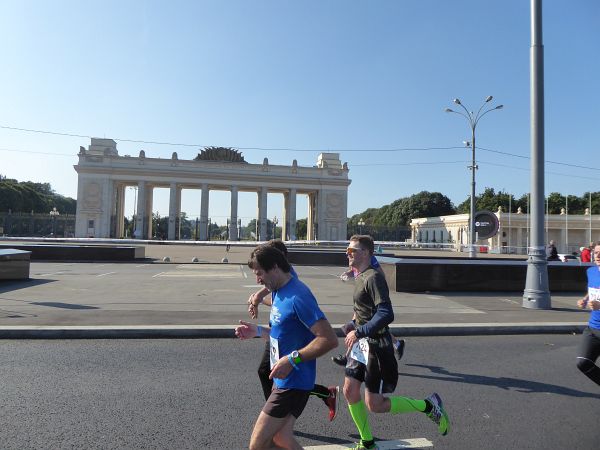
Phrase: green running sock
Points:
(404, 404)
(358, 411)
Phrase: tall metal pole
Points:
(473, 121)
(472, 238)
(537, 294)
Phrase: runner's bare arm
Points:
(247, 330)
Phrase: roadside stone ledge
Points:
(227, 331)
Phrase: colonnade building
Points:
(568, 231)
(103, 176)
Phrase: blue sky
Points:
(354, 77)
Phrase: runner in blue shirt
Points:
(298, 334)
(329, 395)
(590, 344)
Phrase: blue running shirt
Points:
(294, 311)
(593, 276)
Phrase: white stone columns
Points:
(289, 222)
(140, 230)
(148, 218)
(310, 222)
(262, 214)
(174, 211)
(204, 213)
(120, 211)
(233, 230)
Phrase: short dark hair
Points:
(267, 257)
(279, 245)
(365, 242)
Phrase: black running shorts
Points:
(283, 402)
(380, 375)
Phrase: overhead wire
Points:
(293, 149)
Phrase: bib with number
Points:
(594, 294)
(360, 351)
(274, 351)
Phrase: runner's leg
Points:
(270, 432)
(589, 351)
(264, 369)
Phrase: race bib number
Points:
(274, 353)
(594, 294)
(360, 351)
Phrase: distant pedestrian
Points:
(551, 252)
(371, 360)
(586, 254)
(589, 351)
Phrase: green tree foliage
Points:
(37, 197)
(490, 200)
(301, 229)
(400, 212)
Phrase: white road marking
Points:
(158, 274)
(104, 274)
(143, 265)
(252, 285)
(201, 275)
(382, 445)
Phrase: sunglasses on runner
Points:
(353, 250)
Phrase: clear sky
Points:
(289, 79)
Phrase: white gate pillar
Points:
(141, 225)
(174, 211)
(204, 213)
(262, 214)
(233, 231)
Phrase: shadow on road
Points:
(7, 286)
(525, 386)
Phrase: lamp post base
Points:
(537, 294)
(472, 251)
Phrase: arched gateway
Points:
(104, 175)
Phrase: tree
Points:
(28, 196)
(301, 229)
(400, 212)
(489, 200)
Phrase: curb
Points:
(226, 331)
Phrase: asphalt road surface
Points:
(502, 392)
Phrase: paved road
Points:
(502, 392)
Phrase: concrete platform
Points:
(79, 252)
(14, 264)
(484, 275)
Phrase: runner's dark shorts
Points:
(283, 402)
(380, 375)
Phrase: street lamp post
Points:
(275, 222)
(361, 224)
(473, 121)
(53, 215)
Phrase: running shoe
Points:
(400, 348)
(361, 446)
(340, 360)
(438, 414)
(332, 401)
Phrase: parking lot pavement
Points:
(138, 294)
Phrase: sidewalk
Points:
(156, 299)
